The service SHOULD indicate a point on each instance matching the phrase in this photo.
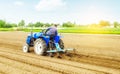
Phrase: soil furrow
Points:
(111, 63)
(1, 72)
(9, 45)
(82, 58)
(11, 70)
(87, 59)
(45, 64)
(59, 61)
(26, 67)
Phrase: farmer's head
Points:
(56, 25)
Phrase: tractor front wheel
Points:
(40, 47)
(26, 48)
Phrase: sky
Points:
(59, 11)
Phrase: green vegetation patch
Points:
(6, 29)
(85, 30)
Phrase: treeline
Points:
(4, 24)
(40, 24)
(102, 23)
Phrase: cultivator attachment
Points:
(59, 50)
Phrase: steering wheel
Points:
(44, 31)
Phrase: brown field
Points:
(95, 54)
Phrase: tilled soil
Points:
(95, 54)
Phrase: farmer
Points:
(52, 31)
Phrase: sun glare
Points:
(93, 15)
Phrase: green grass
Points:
(85, 30)
(92, 30)
(6, 29)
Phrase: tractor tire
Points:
(40, 47)
(61, 44)
(25, 48)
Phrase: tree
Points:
(47, 25)
(2, 23)
(68, 24)
(30, 25)
(116, 24)
(39, 24)
(7, 25)
(104, 23)
(10, 25)
(21, 23)
(14, 25)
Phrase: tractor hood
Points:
(37, 35)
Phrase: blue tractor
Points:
(43, 44)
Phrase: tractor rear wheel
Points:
(40, 47)
(26, 48)
(61, 44)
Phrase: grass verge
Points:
(83, 30)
